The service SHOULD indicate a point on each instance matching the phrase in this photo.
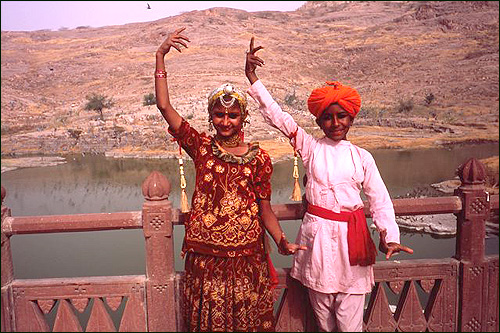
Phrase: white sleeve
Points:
(276, 117)
(381, 206)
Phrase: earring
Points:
(210, 124)
(246, 121)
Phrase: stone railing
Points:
(453, 294)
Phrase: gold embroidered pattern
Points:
(224, 219)
(230, 204)
(208, 177)
(245, 221)
(227, 294)
(203, 151)
(209, 219)
(246, 171)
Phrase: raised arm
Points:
(269, 108)
(174, 39)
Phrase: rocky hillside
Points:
(427, 73)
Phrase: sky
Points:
(55, 15)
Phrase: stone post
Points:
(473, 276)
(160, 270)
(7, 273)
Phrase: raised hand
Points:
(391, 248)
(174, 39)
(252, 61)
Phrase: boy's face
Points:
(335, 122)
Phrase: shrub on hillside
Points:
(405, 105)
(429, 98)
(290, 98)
(97, 102)
(149, 99)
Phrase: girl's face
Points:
(335, 122)
(227, 121)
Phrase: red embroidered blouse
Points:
(224, 219)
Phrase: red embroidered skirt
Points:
(227, 294)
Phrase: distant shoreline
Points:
(279, 151)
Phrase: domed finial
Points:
(156, 187)
(472, 172)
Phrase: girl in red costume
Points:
(227, 282)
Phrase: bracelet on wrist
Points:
(283, 245)
(160, 74)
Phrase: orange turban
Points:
(345, 96)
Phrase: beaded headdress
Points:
(228, 90)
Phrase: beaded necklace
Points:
(230, 142)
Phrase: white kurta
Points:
(336, 171)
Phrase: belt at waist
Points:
(362, 250)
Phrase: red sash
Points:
(362, 250)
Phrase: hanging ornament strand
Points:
(296, 194)
(184, 198)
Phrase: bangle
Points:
(160, 74)
(282, 246)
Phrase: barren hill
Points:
(427, 73)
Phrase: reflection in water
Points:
(94, 184)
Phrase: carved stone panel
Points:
(477, 207)
(66, 320)
(100, 320)
(80, 303)
(157, 223)
(46, 305)
(409, 313)
(114, 302)
(378, 316)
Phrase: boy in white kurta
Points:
(336, 171)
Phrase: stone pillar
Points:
(473, 276)
(7, 273)
(160, 270)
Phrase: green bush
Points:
(429, 98)
(290, 98)
(149, 99)
(405, 105)
(371, 112)
(97, 102)
(74, 133)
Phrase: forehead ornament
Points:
(227, 94)
(228, 89)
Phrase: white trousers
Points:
(338, 312)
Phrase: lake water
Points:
(94, 184)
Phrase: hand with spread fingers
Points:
(391, 248)
(174, 39)
(252, 61)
